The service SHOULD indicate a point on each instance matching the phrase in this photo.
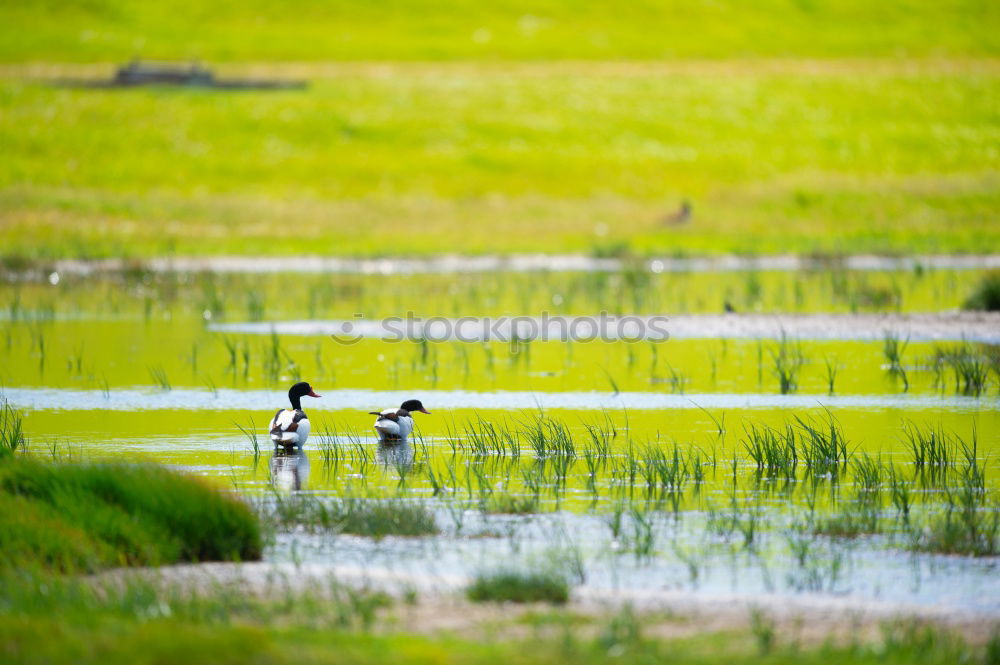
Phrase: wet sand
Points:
(441, 607)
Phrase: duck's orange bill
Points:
(424, 411)
(312, 393)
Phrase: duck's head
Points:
(298, 391)
(412, 405)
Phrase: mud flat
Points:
(441, 605)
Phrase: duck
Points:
(290, 427)
(396, 424)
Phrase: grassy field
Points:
(38, 30)
(788, 126)
(156, 641)
(413, 159)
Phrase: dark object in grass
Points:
(680, 216)
(519, 587)
(137, 73)
(986, 296)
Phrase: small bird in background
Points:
(680, 216)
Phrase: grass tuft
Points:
(519, 587)
(969, 533)
(851, 522)
(375, 518)
(12, 436)
(787, 358)
(986, 295)
(969, 365)
(82, 517)
(510, 504)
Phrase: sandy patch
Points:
(440, 606)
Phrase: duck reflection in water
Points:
(289, 469)
(396, 454)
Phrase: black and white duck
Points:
(396, 424)
(290, 427)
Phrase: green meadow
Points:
(788, 126)
(345, 30)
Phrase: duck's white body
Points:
(394, 425)
(289, 427)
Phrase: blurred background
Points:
(458, 126)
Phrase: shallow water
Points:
(132, 399)
(866, 570)
(954, 327)
(163, 367)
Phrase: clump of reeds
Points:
(893, 347)
(643, 536)
(899, 490)
(251, 436)
(931, 448)
(969, 366)
(970, 524)
(549, 438)
(787, 360)
(632, 531)
(375, 518)
(832, 368)
(936, 452)
(274, 358)
(868, 473)
(823, 446)
(986, 295)
(677, 380)
(665, 475)
(736, 520)
(159, 377)
(255, 306)
(773, 451)
(510, 504)
(853, 520)
(511, 586)
(12, 436)
(602, 435)
(483, 438)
